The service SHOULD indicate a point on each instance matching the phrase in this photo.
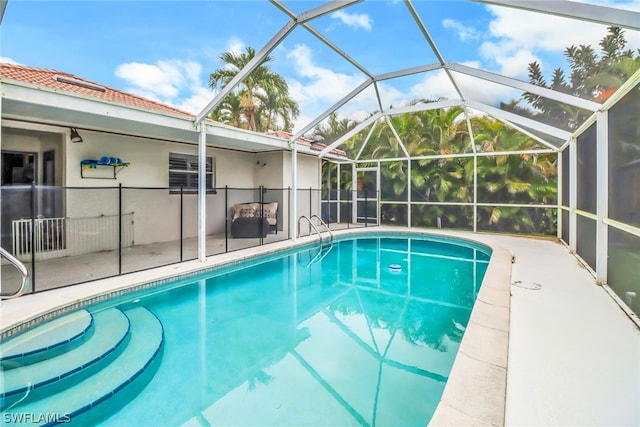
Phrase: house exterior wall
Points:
(157, 211)
(95, 194)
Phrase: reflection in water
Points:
(345, 341)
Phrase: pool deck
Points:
(542, 333)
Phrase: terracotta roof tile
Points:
(71, 83)
(314, 145)
(68, 82)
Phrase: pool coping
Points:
(475, 393)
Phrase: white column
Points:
(354, 194)
(409, 192)
(293, 220)
(573, 195)
(560, 212)
(202, 193)
(602, 195)
(475, 192)
(338, 191)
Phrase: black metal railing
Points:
(109, 231)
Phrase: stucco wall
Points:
(157, 211)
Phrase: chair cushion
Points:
(270, 212)
(245, 210)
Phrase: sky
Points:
(165, 50)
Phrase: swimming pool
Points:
(350, 340)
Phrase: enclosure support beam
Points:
(354, 194)
(202, 193)
(560, 212)
(575, 10)
(573, 196)
(293, 220)
(602, 199)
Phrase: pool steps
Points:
(54, 337)
(121, 345)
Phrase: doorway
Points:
(18, 168)
(367, 195)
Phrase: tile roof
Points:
(71, 83)
(315, 145)
(68, 82)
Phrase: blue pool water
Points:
(365, 336)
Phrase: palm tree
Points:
(333, 128)
(229, 112)
(276, 106)
(517, 178)
(260, 85)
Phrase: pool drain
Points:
(395, 268)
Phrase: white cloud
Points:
(515, 38)
(8, 60)
(436, 85)
(464, 32)
(173, 82)
(316, 88)
(235, 46)
(353, 20)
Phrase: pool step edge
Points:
(127, 373)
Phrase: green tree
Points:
(594, 76)
(332, 129)
(260, 99)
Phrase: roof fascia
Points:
(221, 130)
(527, 87)
(571, 9)
(49, 97)
(515, 118)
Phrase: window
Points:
(183, 172)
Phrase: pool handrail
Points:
(321, 252)
(325, 226)
(21, 268)
(312, 226)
